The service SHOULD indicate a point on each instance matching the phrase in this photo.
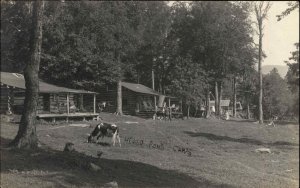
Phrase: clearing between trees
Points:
(181, 153)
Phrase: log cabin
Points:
(137, 99)
(54, 102)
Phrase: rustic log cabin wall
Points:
(52, 99)
(47, 103)
(129, 100)
(4, 99)
(132, 102)
(19, 97)
(109, 96)
(12, 99)
(56, 103)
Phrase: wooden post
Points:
(81, 102)
(208, 104)
(220, 98)
(248, 111)
(217, 99)
(153, 87)
(50, 103)
(234, 97)
(170, 107)
(94, 103)
(153, 79)
(181, 106)
(57, 102)
(155, 105)
(9, 111)
(68, 104)
(188, 112)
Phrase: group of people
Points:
(226, 114)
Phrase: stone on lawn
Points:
(112, 184)
(263, 150)
(69, 147)
(95, 167)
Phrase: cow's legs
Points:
(119, 140)
(100, 135)
(114, 138)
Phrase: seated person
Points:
(73, 107)
(101, 106)
(274, 118)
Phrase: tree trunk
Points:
(153, 87)
(119, 99)
(248, 111)
(207, 104)
(220, 98)
(260, 109)
(188, 112)
(234, 97)
(119, 110)
(196, 110)
(26, 137)
(261, 14)
(160, 86)
(216, 99)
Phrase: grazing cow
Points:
(106, 129)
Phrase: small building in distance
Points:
(226, 105)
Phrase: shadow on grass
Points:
(242, 120)
(103, 144)
(279, 122)
(239, 140)
(66, 169)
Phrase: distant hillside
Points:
(282, 69)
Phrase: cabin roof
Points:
(17, 80)
(139, 88)
(223, 103)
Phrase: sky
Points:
(279, 36)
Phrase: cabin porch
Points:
(67, 117)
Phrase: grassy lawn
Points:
(181, 153)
